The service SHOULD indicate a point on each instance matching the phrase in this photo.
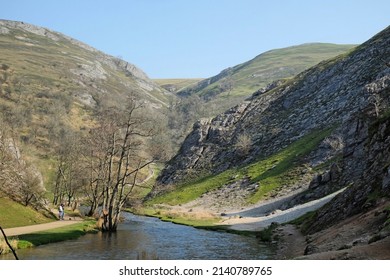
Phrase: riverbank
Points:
(355, 238)
(359, 237)
(72, 227)
(32, 236)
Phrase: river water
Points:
(141, 237)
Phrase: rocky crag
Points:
(329, 95)
(349, 96)
(86, 72)
(356, 223)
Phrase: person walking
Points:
(61, 211)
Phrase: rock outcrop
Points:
(330, 95)
(92, 70)
(365, 169)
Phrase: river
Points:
(140, 237)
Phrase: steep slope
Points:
(356, 223)
(321, 100)
(52, 85)
(238, 82)
(49, 59)
(175, 85)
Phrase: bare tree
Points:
(118, 157)
(71, 176)
(18, 179)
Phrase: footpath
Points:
(36, 228)
(42, 227)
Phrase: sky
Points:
(200, 38)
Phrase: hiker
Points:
(61, 211)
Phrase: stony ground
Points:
(350, 239)
(254, 219)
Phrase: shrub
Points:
(4, 249)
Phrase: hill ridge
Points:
(321, 96)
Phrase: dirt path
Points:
(292, 242)
(36, 228)
(68, 220)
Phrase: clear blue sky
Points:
(199, 38)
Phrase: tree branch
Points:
(9, 245)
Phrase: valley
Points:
(294, 143)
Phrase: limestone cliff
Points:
(330, 95)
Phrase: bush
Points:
(4, 249)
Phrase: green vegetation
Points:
(56, 235)
(142, 189)
(198, 220)
(15, 215)
(193, 190)
(53, 90)
(175, 216)
(304, 221)
(175, 85)
(50, 236)
(50, 88)
(282, 168)
(242, 80)
(191, 222)
(267, 235)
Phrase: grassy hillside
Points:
(52, 85)
(271, 173)
(238, 82)
(175, 85)
(15, 215)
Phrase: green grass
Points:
(191, 222)
(267, 67)
(193, 190)
(177, 217)
(142, 190)
(282, 168)
(178, 84)
(13, 214)
(56, 235)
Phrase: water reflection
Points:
(145, 237)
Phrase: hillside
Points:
(236, 83)
(175, 85)
(277, 141)
(52, 85)
(209, 97)
(323, 133)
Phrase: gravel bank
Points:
(255, 220)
